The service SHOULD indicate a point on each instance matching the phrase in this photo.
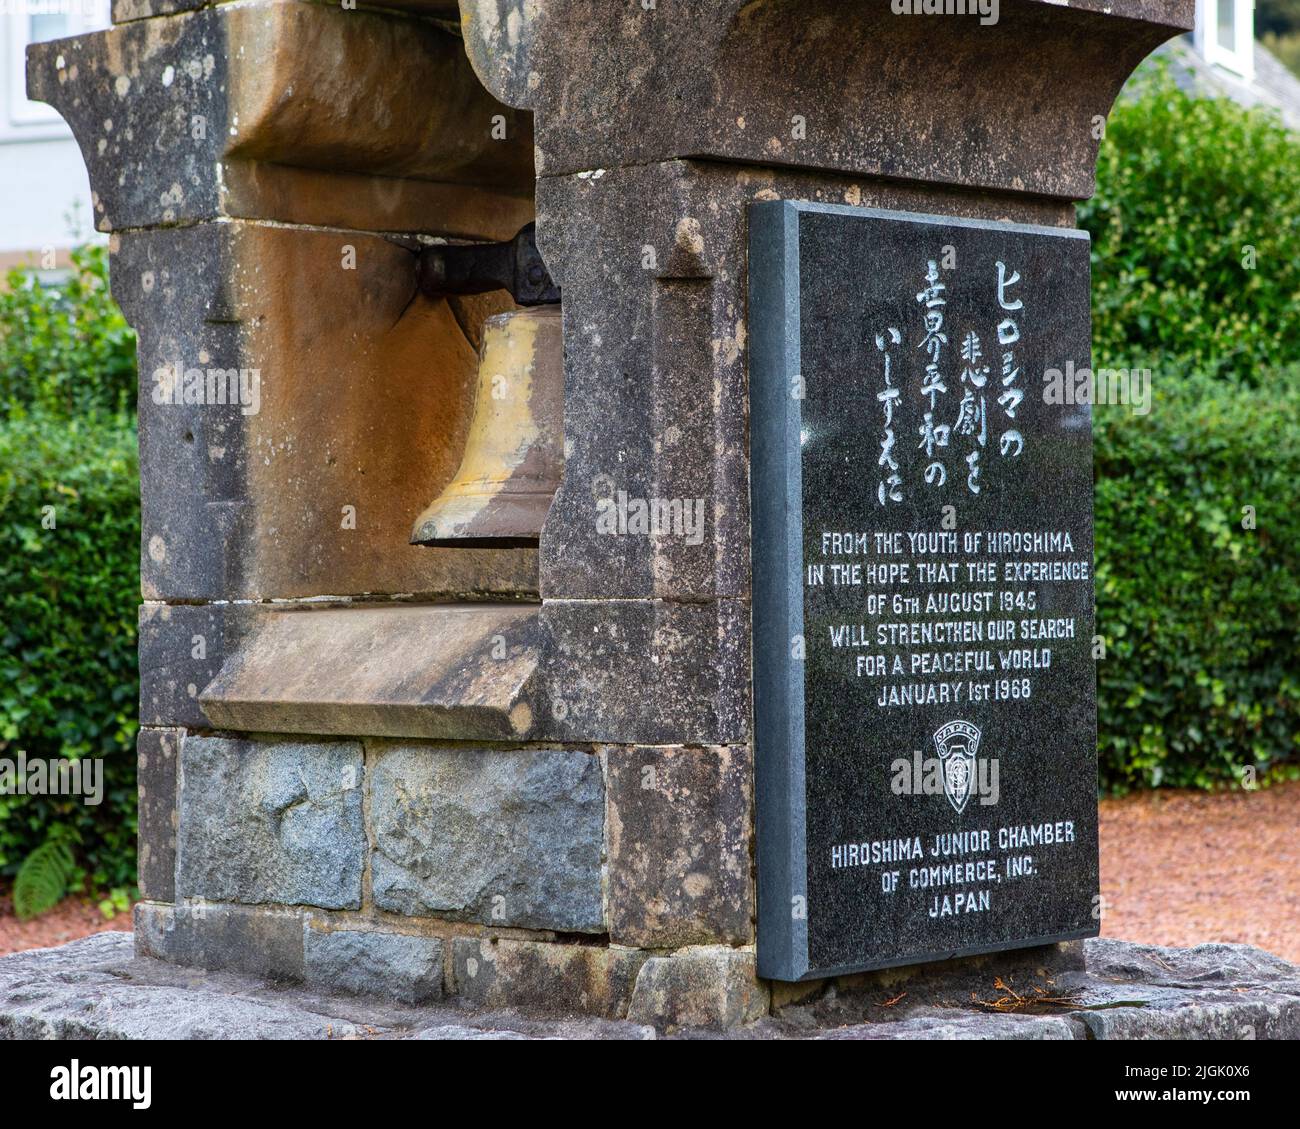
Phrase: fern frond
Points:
(42, 880)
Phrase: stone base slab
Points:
(96, 988)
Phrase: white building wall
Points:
(41, 183)
(44, 191)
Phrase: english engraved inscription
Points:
(923, 588)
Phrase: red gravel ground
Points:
(71, 919)
(1177, 868)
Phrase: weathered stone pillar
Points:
(656, 128)
(521, 776)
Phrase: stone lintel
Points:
(305, 113)
(456, 671)
(820, 84)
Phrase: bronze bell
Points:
(515, 451)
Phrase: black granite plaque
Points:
(925, 694)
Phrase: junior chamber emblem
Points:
(957, 743)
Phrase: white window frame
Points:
(1240, 61)
(20, 119)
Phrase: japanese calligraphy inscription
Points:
(924, 652)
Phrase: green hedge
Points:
(69, 593)
(1277, 16)
(68, 605)
(1185, 188)
(66, 350)
(1201, 616)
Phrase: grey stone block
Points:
(503, 838)
(559, 978)
(182, 647)
(679, 846)
(699, 987)
(271, 821)
(157, 758)
(396, 966)
(262, 942)
(646, 672)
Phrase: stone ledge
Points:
(96, 988)
(455, 671)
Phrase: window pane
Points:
(43, 27)
(1228, 24)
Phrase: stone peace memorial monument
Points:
(606, 548)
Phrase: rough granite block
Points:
(703, 987)
(397, 966)
(271, 821)
(502, 838)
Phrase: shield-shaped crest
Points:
(957, 743)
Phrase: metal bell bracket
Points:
(475, 268)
